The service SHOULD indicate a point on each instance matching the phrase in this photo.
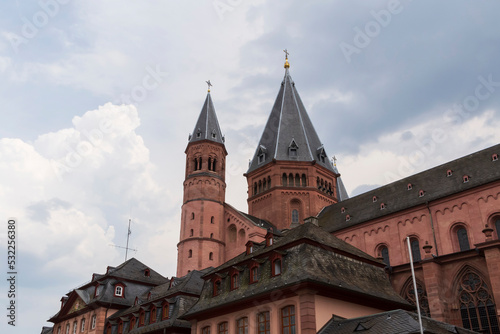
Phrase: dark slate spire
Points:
(289, 133)
(207, 126)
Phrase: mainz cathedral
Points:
(307, 258)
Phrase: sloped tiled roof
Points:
(310, 255)
(289, 124)
(391, 322)
(435, 184)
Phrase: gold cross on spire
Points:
(334, 161)
(209, 85)
(287, 65)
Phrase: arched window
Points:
(304, 180)
(264, 184)
(242, 325)
(290, 180)
(288, 319)
(297, 180)
(205, 330)
(212, 220)
(463, 240)
(75, 327)
(82, 325)
(209, 163)
(142, 318)
(211, 256)
(195, 164)
(108, 329)
(165, 311)
(67, 328)
(152, 315)
(295, 216)
(214, 163)
(415, 249)
(132, 323)
(211, 235)
(384, 252)
(477, 309)
(268, 182)
(217, 287)
(255, 192)
(260, 186)
(232, 233)
(408, 293)
(93, 321)
(191, 233)
(199, 164)
(254, 274)
(120, 327)
(264, 323)
(192, 215)
(283, 180)
(190, 253)
(222, 328)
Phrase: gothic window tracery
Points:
(409, 294)
(477, 307)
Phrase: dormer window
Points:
(292, 149)
(374, 199)
(269, 239)
(409, 186)
(164, 311)
(342, 210)
(96, 291)
(119, 290)
(198, 133)
(147, 272)
(249, 247)
(465, 178)
(449, 173)
(382, 206)
(217, 286)
(214, 134)
(254, 274)
(421, 193)
(152, 316)
(494, 157)
(321, 154)
(276, 267)
(234, 281)
(142, 318)
(261, 154)
(347, 218)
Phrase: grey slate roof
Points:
(310, 256)
(207, 127)
(289, 124)
(435, 183)
(391, 322)
(342, 192)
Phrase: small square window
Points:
(118, 291)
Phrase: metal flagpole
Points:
(128, 236)
(415, 285)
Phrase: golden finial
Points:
(287, 65)
(334, 161)
(209, 85)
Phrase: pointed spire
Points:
(207, 127)
(289, 123)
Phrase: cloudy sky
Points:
(98, 98)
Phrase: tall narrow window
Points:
(276, 267)
(304, 180)
(384, 251)
(255, 192)
(242, 325)
(260, 186)
(234, 281)
(92, 323)
(222, 328)
(295, 216)
(211, 256)
(268, 182)
(67, 328)
(214, 163)
(297, 180)
(415, 249)
(288, 320)
(283, 180)
(290, 180)
(191, 233)
(209, 163)
(477, 308)
(132, 323)
(217, 287)
(165, 311)
(254, 274)
(152, 315)
(120, 327)
(142, 318)
(264, 185)
(264, 323)
(59, 330)
(190, 253)
(75, 327)
(108, 328)
(463, 240)
(82, 326)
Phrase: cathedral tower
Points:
(202, 235)
(290, 176)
